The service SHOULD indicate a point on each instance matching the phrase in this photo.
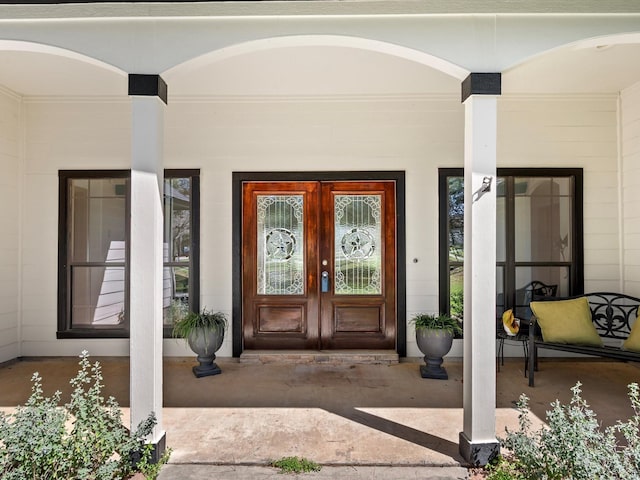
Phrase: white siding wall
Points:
(62, 135)
(630, 114)
(219, 136)
(417, 135)
(10, 135)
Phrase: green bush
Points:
(85, 439)
(573, 446)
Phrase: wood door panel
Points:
(281, 319)
(358, 319)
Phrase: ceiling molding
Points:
(15, 9)
(188, 99)
(10, 93)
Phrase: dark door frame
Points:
(238, 178)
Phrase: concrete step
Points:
(351, 472)
(327, 357)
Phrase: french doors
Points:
(319, 265)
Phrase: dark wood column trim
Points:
(148, 85)
(481, 84)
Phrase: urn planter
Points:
(434, 337)
(205, 342)
(204, 333)
(434, 344)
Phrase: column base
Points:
(430, 371)
(205, 370)
(157, 451)
(478, 454)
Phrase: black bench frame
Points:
(613, 315)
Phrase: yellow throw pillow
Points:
(566, 321)
(632, 343)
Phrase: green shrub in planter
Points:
(437, 322)
(84, 439)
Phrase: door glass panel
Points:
(280, 264)
(358, 237)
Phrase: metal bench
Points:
(613, 315)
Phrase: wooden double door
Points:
(319, 265)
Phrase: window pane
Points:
(537, 282)
(501, 229)
(280, 244)
(358, 237)
(175, 301)
(543, 226)
(555, 186)
(456, 292)
(177, 219)
(500, 300)
(98, 220)
(456, 218)
(98, 296)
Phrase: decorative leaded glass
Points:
(280, 245)
(358, 236)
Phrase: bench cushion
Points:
(632, 343)
(566, 321)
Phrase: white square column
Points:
(146, 250)
(478, 444)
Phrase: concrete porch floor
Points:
(353, 415)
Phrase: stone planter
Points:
(205, 343)
(434, 344)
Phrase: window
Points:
(93, 273)
(181, 245)
(539, 246)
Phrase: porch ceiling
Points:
(327, 70)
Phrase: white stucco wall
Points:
(10, 192)
(630, 142)
(417, 134)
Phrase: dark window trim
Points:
(64, 289)
(576, 285)
(401, 268)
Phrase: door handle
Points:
(324, 282)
